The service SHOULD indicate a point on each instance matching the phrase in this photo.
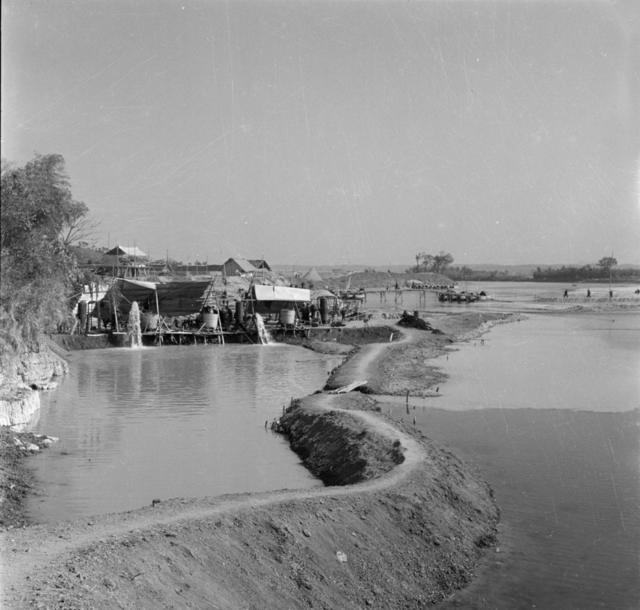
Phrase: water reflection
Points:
(165, 422)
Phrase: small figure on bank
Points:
(566, 294)
(588, 293)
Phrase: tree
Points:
(77, 227)
(37, 215)
(441, 261)
(433, 262)
(423, 261)
(607, 263)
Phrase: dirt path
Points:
(364, 365)
(28, 551)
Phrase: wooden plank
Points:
(348, 388)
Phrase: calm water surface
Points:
(135, 425)
(589, 362)
(548, 411)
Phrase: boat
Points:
(452, 296)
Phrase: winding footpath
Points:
(29, 551)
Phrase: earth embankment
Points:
(405, 538)
(403, 527)
(338, 447)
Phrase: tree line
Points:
(39, 220)
(603, 270)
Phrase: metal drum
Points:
(288, 317)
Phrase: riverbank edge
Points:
(25, 373)
(466, 556)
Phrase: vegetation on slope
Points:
(39, 218)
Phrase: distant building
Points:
(124, 261)
(259, 263)
(238, 266)
(130, 252)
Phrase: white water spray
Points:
(134, 332)
(263, 333)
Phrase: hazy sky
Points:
(337, 132)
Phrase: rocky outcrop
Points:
(18, 406)
(22, 374)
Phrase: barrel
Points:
(287, 317)
(210, 319)
(324, 310)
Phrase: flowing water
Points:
(165, 422)
(134, 331)
(548, 410)
(263, 333)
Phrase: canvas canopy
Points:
(280, 293)
(173, 298)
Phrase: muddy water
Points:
(135, 425)
(561, 452)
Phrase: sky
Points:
(337, 132)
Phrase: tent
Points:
(272, 299)
(170, 299)
(312, 276)
(280, 293)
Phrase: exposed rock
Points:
(21, 375)
(18, 406)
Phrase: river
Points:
(547, 409)
(188, 421)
